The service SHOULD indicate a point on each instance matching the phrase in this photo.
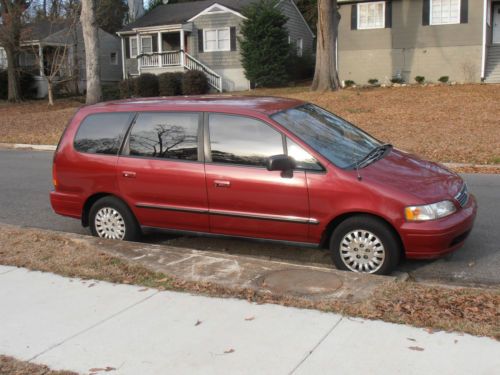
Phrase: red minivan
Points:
(256, 167)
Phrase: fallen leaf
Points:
(198, 322)
(417, 348)
(162, 280)
(429, 330)
(143, 290)
(456, 341)
(409, 338)
(229, 351)
(99, 369)
(248, 318)
(91, 285)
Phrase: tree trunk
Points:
(14, 89)
(50, 90)
(325, 75)
(91, 40)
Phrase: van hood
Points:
(428, 181)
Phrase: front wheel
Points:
(110, 218)
(365, 244)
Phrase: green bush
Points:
(127, 88)
(397, 80)
(444, 79)
(194, 82)
(111, 91)
(300, 67)
(170, 84)
(26, 82)
(373, 81)
(146, 85)
(349, 83)
(420, 79)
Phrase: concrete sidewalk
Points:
(81, 325)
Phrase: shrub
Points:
(146, 85)
(420, 79)
(111, 91)
(373, 81)
(26, 82)
(127, 88)
(349, 83)
(194, 82)
(170, 84)
(397, 80)
(444, 79)
(300, 67)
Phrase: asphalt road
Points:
(25, 182)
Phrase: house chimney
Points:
(135, 9)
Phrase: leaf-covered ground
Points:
(12, 366)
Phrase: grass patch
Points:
(11, 366)
(470, 310)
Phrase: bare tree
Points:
(91, 40)
(11, 12)
(326, 77)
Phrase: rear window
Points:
(102, 133)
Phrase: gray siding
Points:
(410, 48)
(297, 28)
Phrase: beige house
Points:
(408, 38)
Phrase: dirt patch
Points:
(11, 366)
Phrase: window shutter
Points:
(426, 12)
(388, 14)
(232, 31)
(354, 17)
(200, 40)
(127, 47)
(464, 11)
(154, 40)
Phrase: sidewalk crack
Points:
(315, 347)
(92, 326)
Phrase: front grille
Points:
(463, 196)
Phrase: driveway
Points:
(26, 181)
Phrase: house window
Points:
(300, 46)
(113, 58)
(445, 12)
(217, 40)
(146, 44)
(3, 58)
(133, 47)
(371, 15)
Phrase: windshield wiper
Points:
(376, 154)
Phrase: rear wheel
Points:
(110, 218)
(365, 244)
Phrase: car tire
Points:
(365, 244)
(110, 218)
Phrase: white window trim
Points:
(209, 10)
(371, 27)
(217, 39)
(147, 37)
(431, 21)
(132, 56)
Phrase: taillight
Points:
(54, 175)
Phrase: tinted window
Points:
(165, 135)
(303, 158)
(242, 140)
(102, 133)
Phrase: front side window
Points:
(217, 39)
(102, 133)
(242, 140)
(303, 158)
(337, 140)
(146, 44)
(444, 12)
(133, 47)
(165, 135)
(371, 15)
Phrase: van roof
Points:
(214, 103)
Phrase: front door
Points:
(245, 199)
(496, 23)
(161, 173)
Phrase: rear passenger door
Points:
(161, 173)
(246, 199)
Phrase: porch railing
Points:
(181, 59)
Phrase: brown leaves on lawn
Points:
(12, 366)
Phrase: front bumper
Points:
(433, 239)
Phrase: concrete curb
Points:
(28, 146)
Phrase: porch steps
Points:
(492, 72)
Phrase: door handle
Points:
(128, 174)
(222, 184)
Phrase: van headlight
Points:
(429, 211)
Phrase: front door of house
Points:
(496, 23)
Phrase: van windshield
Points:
(339, 141)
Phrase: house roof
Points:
(41, 29)
(172, 14)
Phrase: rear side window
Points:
(102, 133)
(165, 135)
(242, 140)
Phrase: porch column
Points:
(123, 57)
(159, 49)
(40, 59)
(182, 47)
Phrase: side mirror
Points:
(282, 163)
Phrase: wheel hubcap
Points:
(362, 251)
(109, 223)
